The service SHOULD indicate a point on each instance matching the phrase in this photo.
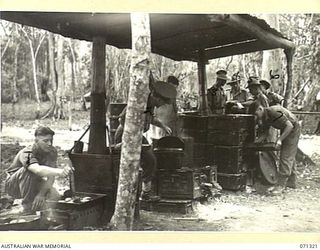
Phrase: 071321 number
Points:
(309, 246)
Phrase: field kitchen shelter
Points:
(191, 37)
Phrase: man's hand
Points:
(118, 145)
(66, 171)
(278, 144)
(261, 139)
(167, 129)
(38, 202)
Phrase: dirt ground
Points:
(297, 211)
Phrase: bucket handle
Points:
(69, 151)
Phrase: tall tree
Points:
(34, 49)
(132, 136)
(56, 65)
(315, 64)
(15, 75)
(271, 59)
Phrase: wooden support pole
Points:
(288, 88)
(97, 136)
(202, 78)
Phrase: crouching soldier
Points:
(161, 93)
(32, 172)
(283, 120)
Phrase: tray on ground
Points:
(18, 222)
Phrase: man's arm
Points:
(263, 100)
(40, 198)
(44, 171)
(287, 130)
(247, 103)
(155, 121)
(263, 136)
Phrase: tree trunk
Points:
(34, 68)
(74, 81)
(244, 68)
(97, 136)
(60, 98)
(271, 59)
(315, 86)
(15, 74)
(34, 74)
(132, 136)
(288, 87)
(53, 77)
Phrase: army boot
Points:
(280, 187)
(146, 193)
(292, 181)
(146, 190)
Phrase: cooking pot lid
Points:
(170, 142)
(168, 149)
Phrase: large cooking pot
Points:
(169, 152)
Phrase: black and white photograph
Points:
(160, 122)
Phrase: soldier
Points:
(161, 93)
(255, 90)
(237, 93)
(216, 94)
(167, 114)
(273, 98)
(282, 119)
(32, 172)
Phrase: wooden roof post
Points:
(97, 136)
(202, 77)
(288, 88)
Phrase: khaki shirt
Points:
(277, 116)
(241, 96)
(216, 99)
(274, 98)
(24, 158)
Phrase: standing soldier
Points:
(216, 94)
(273, 98)
(161, 93)
(167, 114)
(282, 119)
(237, 93)
(255, 90)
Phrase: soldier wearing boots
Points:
(282, 119)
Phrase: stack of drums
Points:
(227, 135)
(193, 129)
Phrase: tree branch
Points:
(302, 88)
